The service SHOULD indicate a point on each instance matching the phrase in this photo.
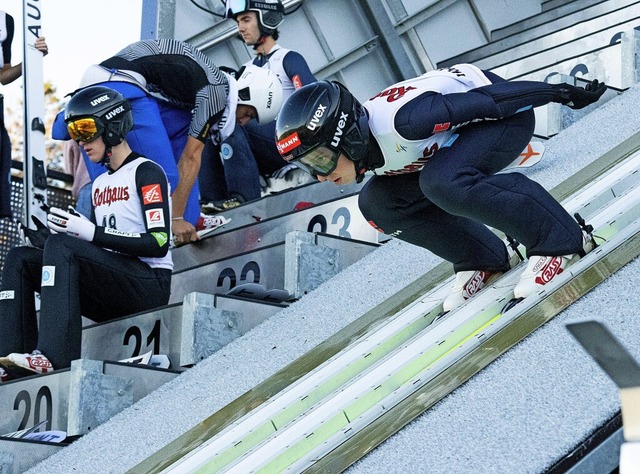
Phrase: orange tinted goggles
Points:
(84, 129)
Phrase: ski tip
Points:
(439, 316)
(511, 303)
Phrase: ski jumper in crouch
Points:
(436, 144)
(438, 185)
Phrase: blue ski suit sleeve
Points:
(297, 69)
(417, 119)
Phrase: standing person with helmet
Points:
(114, 264)
(435, 144)
(254, 143)
(180, 100)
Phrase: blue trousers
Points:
(249, 152)
(447, 206)
(229, 169)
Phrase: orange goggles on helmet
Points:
(85, 129)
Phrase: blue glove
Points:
(71, 223)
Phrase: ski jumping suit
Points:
(251, 149)
(293, 71)
(442, 138)
(125, 270)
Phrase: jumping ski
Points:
(34, 168)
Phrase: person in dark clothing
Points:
(436, 144)
(114, 264)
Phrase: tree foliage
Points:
(14, 122)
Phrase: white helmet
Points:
(262, 89)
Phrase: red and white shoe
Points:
(211, 222)
(22, 365)
(467, 285)
(543, 269)
(207, 224)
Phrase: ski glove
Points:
(576, 97)
(71, 223)
(72, 210)
(34, 238)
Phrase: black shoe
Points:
(222, 205)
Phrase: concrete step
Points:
(17, 456)
(555, 14)
(186, 332)
(340, 216)
(559, 21)
(74, 400)
(61, 396)
(581, 56)
(298, 263)
(286, 201)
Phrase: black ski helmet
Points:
(110, 111)
(317, 122)
(270, 13)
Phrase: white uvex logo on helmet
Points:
(265, 6)
(317, 115)
(339, 129)
(114, 112)
(99, 100)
